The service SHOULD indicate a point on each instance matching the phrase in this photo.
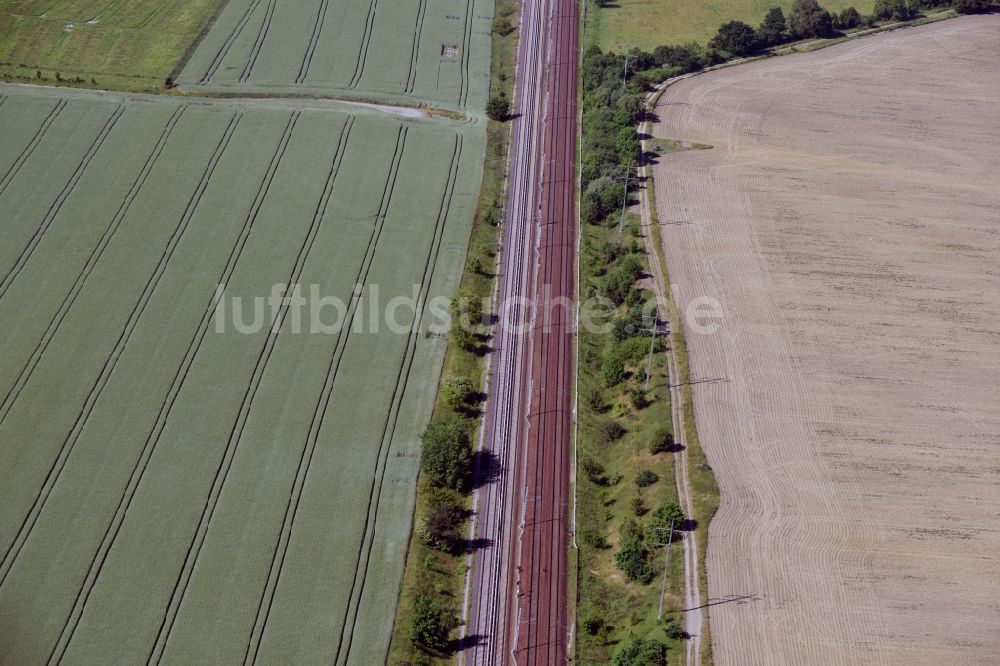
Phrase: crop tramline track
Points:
(463, 94)
(92, 260)
(239, 427)
(313, 42)
(359, 68)
(259, 42)
(32, 144)
(58, 204)
(28, 524)
(399, 392)
(179, 380)
(415, 49)
(228, 44)
(493, 514)
(319, 415)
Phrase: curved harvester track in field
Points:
(846, 222)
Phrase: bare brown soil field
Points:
(848, 222)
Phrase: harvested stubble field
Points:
(173, 492)
(126, 45)
(848, 221)
(431, 52)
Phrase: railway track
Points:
(518, 582)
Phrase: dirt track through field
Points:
(848, 222)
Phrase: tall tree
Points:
(808, 19)
(850, 18)
(773, 29)
(891, 9)
(446, 455)
(430, 625)
(736, 37)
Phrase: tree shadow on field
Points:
(676, 447)
(473, 409)
(650, 158)
(482, 346)
(469, 546)
(466, 642)
(687, 525)
(487, 468)
(738, 599)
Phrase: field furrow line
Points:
(359, 68)
(313, 41)
(60, 200)
(228, 44)
(177, 385)
(30, 148)
(415, 50)
(389, 428)
(239, 427)
(319, 414)
(463, 94)
(154, 14)
(259, 42)
(95, 257)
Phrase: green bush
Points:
(440, 528)
(593, 470)
(808, 19)
(642, 652)
(502, 26)
(849, 18)
(661, 441)
(633, 560)
(592, 624)
(612, 372)
(446, 453)
(431, 624)
(458, 392)
(637, 394)
(630, 529)
(498, 107)
(972, 6)
(896, 10)
(609, 430)
(673, 629)
(735, 37)
(669, 513)
(593, 397)
(773, 29)
(646, 477)
(593, 539)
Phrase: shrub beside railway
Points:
(625, 485)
